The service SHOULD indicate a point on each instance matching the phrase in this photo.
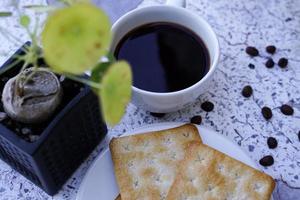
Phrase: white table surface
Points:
(238, 24)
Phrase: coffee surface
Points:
(164, 57)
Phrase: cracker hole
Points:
(258, 187)
(200, 159)
(192, 180)
(187, 134)
(237, 176)
(136, 184)
(146, 144)
(126, 147)
(173, 155)
(210, 187)
(130, 164)
(158, 178)
(220, 168)
(167, 141)
(163, 196)
(150, 162)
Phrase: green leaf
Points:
(99, 71)
(5, 14)
(75, 38)
(24, 20)
(111, 57)
(115, 92)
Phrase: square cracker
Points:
(208, 174)
(146, 164)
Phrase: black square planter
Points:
(64, 144)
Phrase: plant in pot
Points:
(50, 111)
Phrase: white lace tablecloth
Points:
(238, 24)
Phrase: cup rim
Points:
(213, 64)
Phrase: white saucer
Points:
(100, 183)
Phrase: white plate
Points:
(100, 183)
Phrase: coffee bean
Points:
(287, 110)
(283, 62)
(196, 119)
(266, 112)
(270, 63)
(267, 161)
(288, 19)
(271, 49)
(158, 115)
(247, 91)
(252, 51)
(207, 106)
(251, 66)
(272, 143)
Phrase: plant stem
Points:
(35, 67)
(24, 66)
(83, 80)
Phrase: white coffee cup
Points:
(174, 13)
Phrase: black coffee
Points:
(164, 57)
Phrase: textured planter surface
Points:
(63, 145)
